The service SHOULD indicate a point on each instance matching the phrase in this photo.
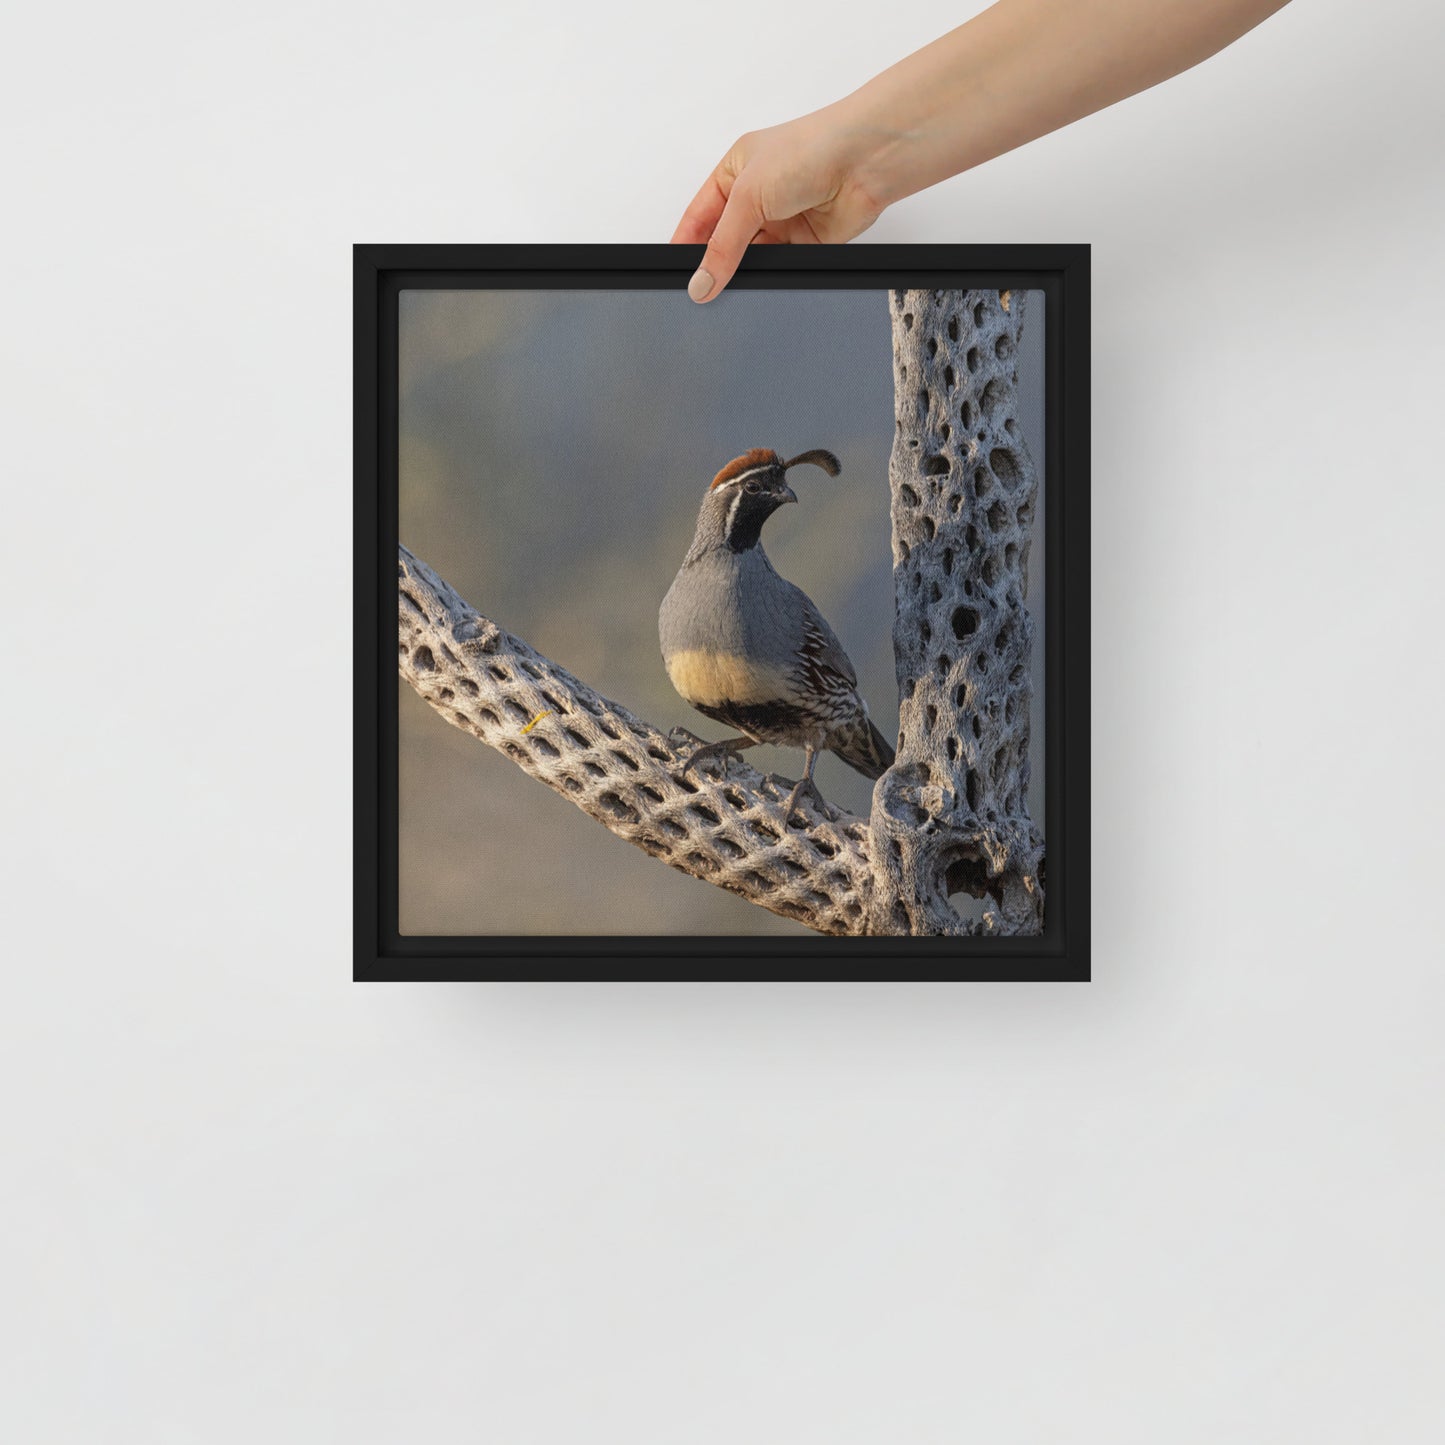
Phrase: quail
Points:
(747, 648)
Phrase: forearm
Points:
(1017, 71)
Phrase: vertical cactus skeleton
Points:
(951, 815)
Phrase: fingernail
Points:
(700, 287)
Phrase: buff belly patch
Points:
(711, 678)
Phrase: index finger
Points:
(702, 213)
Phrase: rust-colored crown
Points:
(757, 457)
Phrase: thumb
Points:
(742, 218)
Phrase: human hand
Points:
(1014, 72)
(802, 182)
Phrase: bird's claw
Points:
(708, 751)
(807, 785)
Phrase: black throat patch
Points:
(745, 519)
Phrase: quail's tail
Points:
(866, 749)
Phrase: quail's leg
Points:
(732, 746)
(806, 781)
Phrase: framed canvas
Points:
(622, 708)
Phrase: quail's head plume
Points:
(746, 647)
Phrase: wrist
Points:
(882, 143)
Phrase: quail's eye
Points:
(751, 488)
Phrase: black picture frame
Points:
(1061, 952)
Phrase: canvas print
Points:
(720, 620)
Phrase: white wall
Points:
(243, 1200)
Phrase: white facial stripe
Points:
(743, 476)
(732, 515)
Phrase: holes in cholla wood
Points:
(964, 489)
(598, 756)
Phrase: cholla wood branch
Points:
(622, 771)
(951, 815)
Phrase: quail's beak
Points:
(786, 494)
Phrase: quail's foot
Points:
(807, 785)
(727, 748)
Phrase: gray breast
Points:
(732, 603)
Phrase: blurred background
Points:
(555, 447)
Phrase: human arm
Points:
(1014, 72)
